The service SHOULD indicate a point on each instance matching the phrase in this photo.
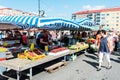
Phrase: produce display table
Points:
(23, 64)
(73, 52)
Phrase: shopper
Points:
(116, 40)
(98, 37)
(104, 49)
(111, 40)
(24, 39)
(66, 39)
(38, 36)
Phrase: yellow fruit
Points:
(3, 49)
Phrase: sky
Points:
(59, 8)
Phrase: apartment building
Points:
(109, 17)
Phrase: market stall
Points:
(10, 38)
(78, 47)
(30, 57)
(23, 64)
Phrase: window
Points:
(103, 17)
(98, 21)
(107, 24)
(112, 17)
(23, 13)
(117, 17)
(108, 14)
(90, 18)
(117, 24)
(89, 14)
(107, 21)
(103, 14)
(73, 16)
(97, 14)
(117, 20)
(97, 17)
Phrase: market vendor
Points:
(9, 34)
(17, 34)
(44, 41)
(0, 35)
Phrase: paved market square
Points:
(82, 68)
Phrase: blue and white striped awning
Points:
(85, 22)
(35, 21)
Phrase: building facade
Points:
(107, 17)
(14, 12)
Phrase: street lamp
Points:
(39, 8)
(40, 12)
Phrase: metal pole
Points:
(39, 8)
(30, 74)
(18, 75)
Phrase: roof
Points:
(17, 10)
(100, 10)
(5, 8)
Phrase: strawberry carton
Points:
(58, 49)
